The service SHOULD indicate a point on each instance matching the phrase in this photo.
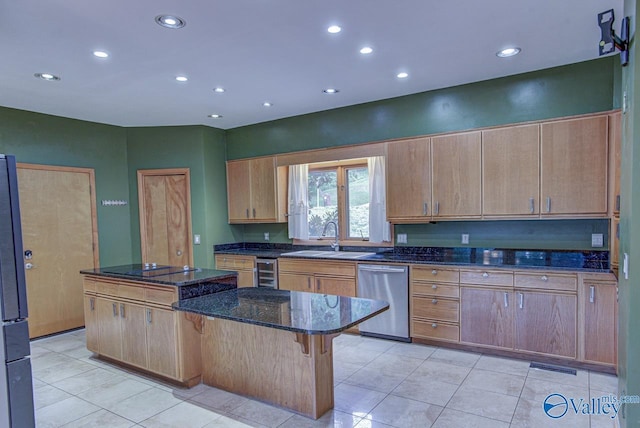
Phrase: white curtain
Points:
(379, 228)
(298, 201)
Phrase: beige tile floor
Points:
(378, 384)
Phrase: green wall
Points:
(51, 140)
(562, 91)
(200, 149)
(629, 290)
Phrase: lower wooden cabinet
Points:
(244, 265)
(320, 276)
(599, 306)
(487, 316)
(90, 322)
(161, 339)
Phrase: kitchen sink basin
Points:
(351, 255)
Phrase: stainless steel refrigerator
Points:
(16, 387)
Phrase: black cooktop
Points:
(146, 271)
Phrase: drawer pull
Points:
(521, 305)
(506, 300)
(434, 301)
(592, 294)
(148, 316)
(485, 275)
(121, 310)
(92, 304)
(434, 325)
(434, 272)
(544, 278)
(425, 208)
(531, 205)
(548, 204)
(435, 287)
(437, 210)
(115, 309)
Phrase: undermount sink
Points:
(329, 254)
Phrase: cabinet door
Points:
(109, 333)
(546, 323)
(134, 341)
(337, 286)
(511, 171)
(263, 190)
(239, 191)
(246, 278)
(615, 142)
(409, 179)
(600, 318)
(162, 341)
(296, 282)
(486, 316)
(574, 166)
(90, 322)
(457, 179)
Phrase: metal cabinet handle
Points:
(506, 300)
(318, 284)
(434, 272)
(548, 204)
(485, 275)
(592, 294)
(544, 278)
(115, 309)
(435, 287)
(121, 310)
(532, 207)
(425, 208)
(254, 213)
(617, 202)
(434, 325)
(434, 301)
(148, 316)
(247, 212)
(309, 283)
(521, 304)
(437, 208)
(92, 304)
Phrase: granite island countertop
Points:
(294, 311)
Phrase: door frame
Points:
(92, 185)
(142, 173)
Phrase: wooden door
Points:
(134, 340)
(573, 176)
(409, 180)
(161, 341)
(165, 216)
(59, 229)
(615, 143)
(511, 171)
(600, 322)
(486, 316)
(296, 282)
(337, 286)
(546, 323)
(457, 178)
(263, 185)
(109, 332)
(239, 190)
(90, 322)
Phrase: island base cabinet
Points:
(546, 323)
(291, 370)
(486, 317)
(134, 338)
(109, 331)
(91, 328)
(161, 336)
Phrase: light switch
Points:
(196, 239)
(266, 236)
(402, 238)
(625, 266)
(597, 240)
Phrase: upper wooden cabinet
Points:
(573, 173)
(409, 180)
(456, 175)
(255, 192)
(511, 171)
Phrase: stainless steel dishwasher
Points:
(389, 283)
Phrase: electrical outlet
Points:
(597, 240)
(465, 238)
(196, 239)
(402, 238)
(266, 236)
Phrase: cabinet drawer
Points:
(434, 273)
(89, 284)
(318, 267)
(435, 289)
(488, 277)
(131, 292)
(546, 281)
(158, 295)
(437, 309)
(109, 288)
(230, 262)
(435, 330)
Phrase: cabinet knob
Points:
(434, 325)
(434, 301)
(434, 272)
(435, 287)
(485, 275)
(544, 278)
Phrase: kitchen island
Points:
(275, 345)
(129, 319)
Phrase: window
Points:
(339, 193)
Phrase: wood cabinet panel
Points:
(546, 323)
(456, 175)
(321, 267)
(253, 191)
(434, 273)
(547, 281)
(435, 309)
(244, 265)
(90, 322)
(263, 189)
(109, 332)
(511, 171)
(134, 338)
(130, 292)
(599, 300)
(615, 142)
(574, 165)
(435, 330)
(161, 341)
(337, 286)
(408, 175)
(487, 316)
(238, 190)
(488, 277)
(160, 296)
(435, 289)
(296, 282)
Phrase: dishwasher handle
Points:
(381, 269)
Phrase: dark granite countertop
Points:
(294, 311)
(562, 260)
(164, 275)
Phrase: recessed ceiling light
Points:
(505, 53)
(334, 29)
(267, 104)
(218, 90)
(46, 76)
(100, 54)
(366, 50)
(331, 91)
(181, 78)
(402, 75)
(215, 116)
(170, 21)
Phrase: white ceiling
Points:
(271, 50)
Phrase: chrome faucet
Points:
(335, 245)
